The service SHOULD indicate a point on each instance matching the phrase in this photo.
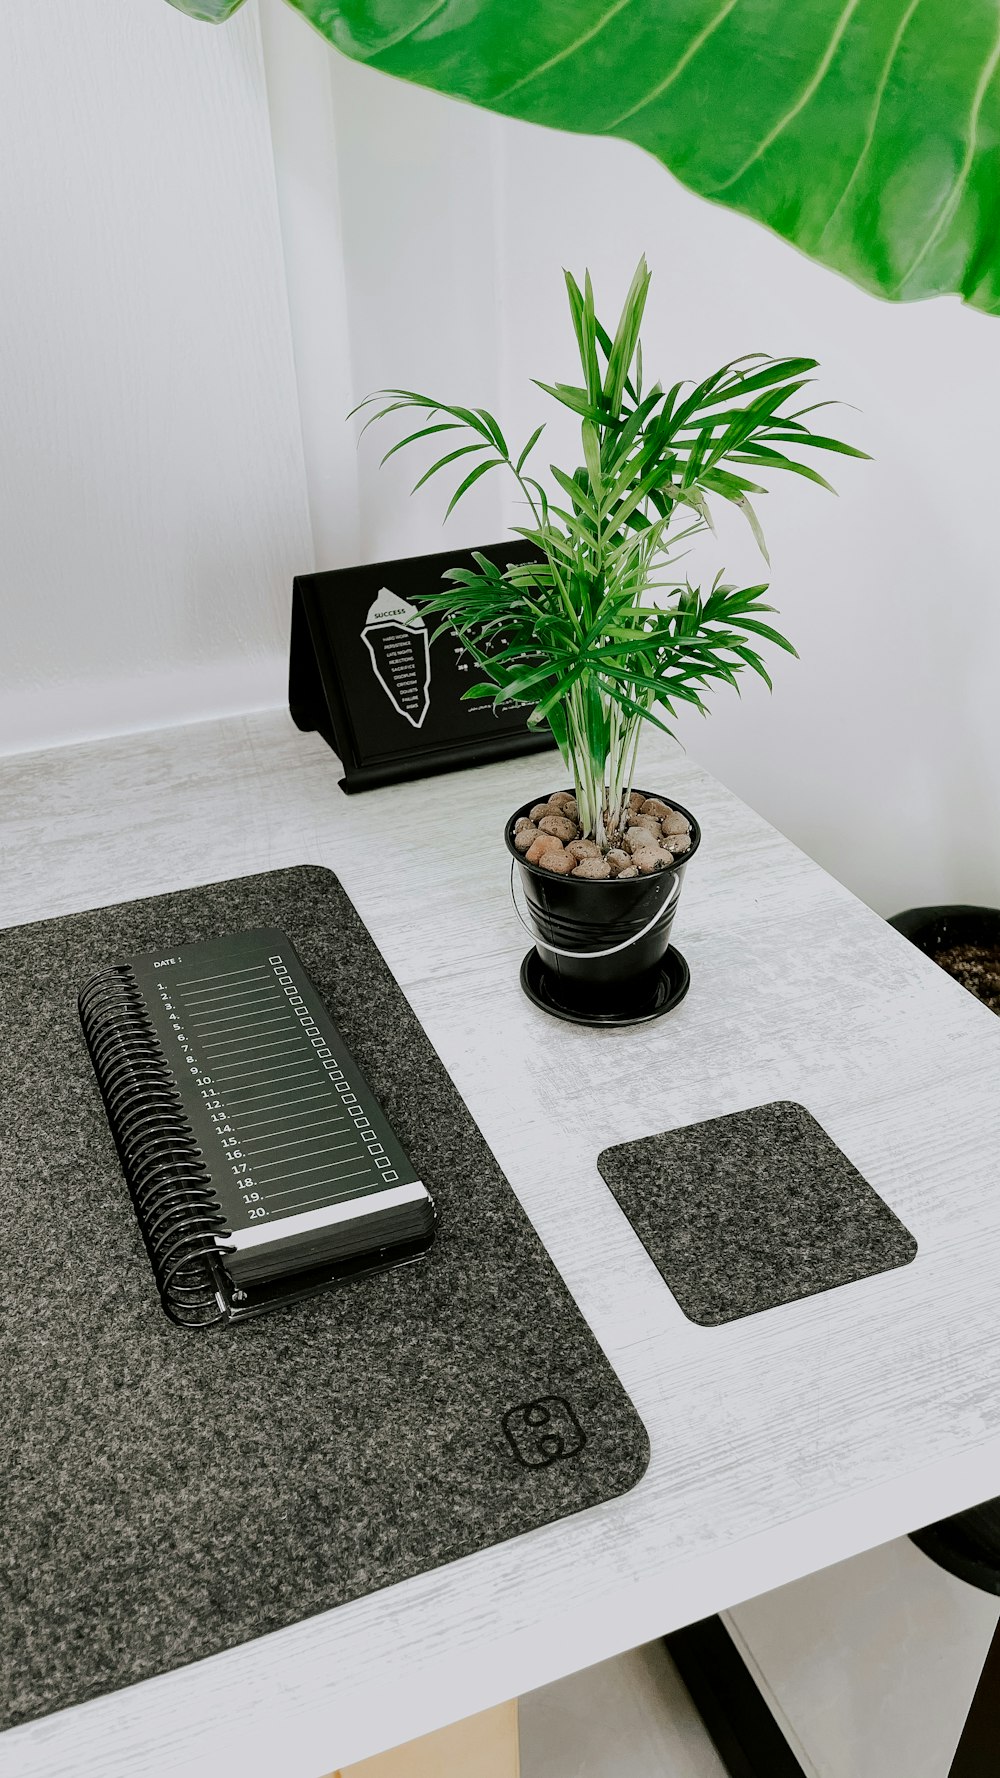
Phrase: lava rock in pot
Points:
(560, 826)
(544, 842)
(560, 863)
(638, 839)
(650, 859)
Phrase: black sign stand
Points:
(382, 681)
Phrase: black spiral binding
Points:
(170, 1185)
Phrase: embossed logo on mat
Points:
(540, 1432)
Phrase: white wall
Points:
(880, 750)
(306, 149)
(152, 489)
(419, 207)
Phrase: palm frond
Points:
(596, 634)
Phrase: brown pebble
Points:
(650, 821)
(650, 860)
(635, 799)
(522, 821)
(545, 842)
(618, 860)
(595, 868)
(526, 837)
(559, 862)
(653, 805)
(673, 822)
(678, 842)
(637, 839)
(581, 849)
(629, 871)
(541, 809)
(559, 825)
(562, 798)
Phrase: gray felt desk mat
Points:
(751, 1210)
(168, 1494)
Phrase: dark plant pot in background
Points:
(576, 915)
(942, 929)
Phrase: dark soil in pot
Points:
(601, 941)
(963, 940)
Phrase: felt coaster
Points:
(168, 1494)
(751, 1210)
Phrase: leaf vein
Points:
(679, 66)
(562, 54)
(880, 91)
(411, 30)
(801, 102)
(953, 199)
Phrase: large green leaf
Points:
(865, 131)
(214, 12)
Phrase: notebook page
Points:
(289, 1127)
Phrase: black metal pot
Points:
(934, 929)
(592, 964)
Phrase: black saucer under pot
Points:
(602, 948)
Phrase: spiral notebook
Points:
(260, 1165)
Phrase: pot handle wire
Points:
(667, 907)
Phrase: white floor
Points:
(869, 1667)
(629, 1718)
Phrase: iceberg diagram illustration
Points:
(396, 638)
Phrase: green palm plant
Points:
(598, 631)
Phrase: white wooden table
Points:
(780, 1443)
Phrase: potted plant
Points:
(963, 940)
(601, 636)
